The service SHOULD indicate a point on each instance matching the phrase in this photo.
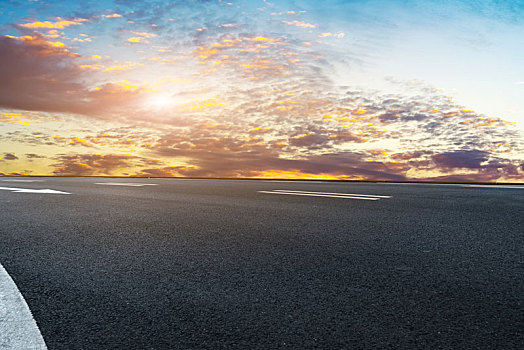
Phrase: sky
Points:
(352, 90)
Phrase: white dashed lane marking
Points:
(132, 184)
(22, 180)
(32, 190)
(369, 197)
(338, 193)
(18, 329)
(508, 187)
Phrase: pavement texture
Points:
(215, 264)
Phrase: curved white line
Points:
(18, 329)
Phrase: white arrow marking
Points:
(18, 329)
(32, 190)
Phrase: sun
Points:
(160, 101)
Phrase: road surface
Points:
(111, 263)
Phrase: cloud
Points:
(236, 157)
(144, 34)
(300, 24)
(308, 140)
(470, 159)
(14, 118)
(90, 164)
(117, 139)
(242, 99)
(34, 156)
(81, 142)
(113, 15)
(16, 173)
(10, 156)
(60, 23)
(338, 35)
(173, 171)
(137, 40)
(39, 76)
(463, 178)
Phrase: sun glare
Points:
(160, 101)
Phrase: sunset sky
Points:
(356, 90)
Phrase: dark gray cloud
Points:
(10, 156)
(470, 159)
(37, 76)
(90, 164)
(34, 156)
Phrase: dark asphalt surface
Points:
(213, 264)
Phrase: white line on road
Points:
(319, 195)
(18, 329)
(338, 193)
(509, 187)
(13, 180)
(32, 190)
(132, 184)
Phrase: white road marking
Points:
(132, 184)
(32, 190)
(320, 195)
(510, 187)
(18, 328)
(448, 184)
(338, 193)
(22, 180)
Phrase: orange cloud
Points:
(212, 102)
(123, 67)
(294, 174)
(91, 66)
(137, 40)
(42, 47)
(144, 34)
(59, 24)
(79, 141)
(53, 34)
(336, 35)
(84, 40)
(14, 118)
(91, 164)
(300, 24)
(170, 171)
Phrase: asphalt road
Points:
(216, 264)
